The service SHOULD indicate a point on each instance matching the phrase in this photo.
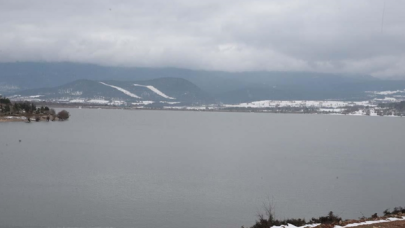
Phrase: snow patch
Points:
(77, 101)
(373, 113)
(386, 99)
(121, 89)
(117, 102)
(143, 103)
(98, 101)
(194, 108)
(388, 92)
(70, 92)
(299, 104)
(349, 225)
(15, 117)
(292, 226)
(372, 222)
(153, 89)
(169, 102)
(331, 109)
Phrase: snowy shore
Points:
(354, 224)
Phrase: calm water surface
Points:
(115, 168)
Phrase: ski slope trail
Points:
(155, 90)
(121, 89)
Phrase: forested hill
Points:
(160, 90)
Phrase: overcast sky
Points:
(339, 36)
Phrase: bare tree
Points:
(52, 113)
(63, 115)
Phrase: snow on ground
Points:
(196, 108)
(26, 98)
(168, 102)
(117, 102)
(373, 222)
(388, 92)
(386, 99)
(70, 92)
(15, 117)
(100, 102)
(158, 92)
(349, 225)
(308, 104)
(143, 102)
(292, 226)
(77, 101)
(121, 89)
(357, 113)
(97, 101)
(373, 113)
(362, 103)
(331, 109)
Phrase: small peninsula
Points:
(28, 112)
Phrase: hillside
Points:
(227, 87)
(156, 91)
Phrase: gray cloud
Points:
(340, 36)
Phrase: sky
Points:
(337, 36)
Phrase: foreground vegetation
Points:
(268, 219)
(30, 111)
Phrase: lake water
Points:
(117, 168)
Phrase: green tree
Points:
(6, 109)
(16, 108)
(33, 107)
(4, 100)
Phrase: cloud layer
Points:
(339, 36)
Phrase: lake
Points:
(121, 168)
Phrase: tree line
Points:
(30, 110)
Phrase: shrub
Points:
(396, 210)
(329, 219)
(63, 115)
(271, 221)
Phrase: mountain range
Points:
(164, 91)
(50, 80)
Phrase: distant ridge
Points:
(228, 87)
(161, 90)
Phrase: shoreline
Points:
(395, 218)
(380, 222)
(7, 119)
(197, 109)
(22, 118)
